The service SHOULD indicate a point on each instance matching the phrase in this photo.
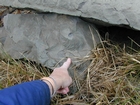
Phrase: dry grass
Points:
(112, 78)
(14, 72)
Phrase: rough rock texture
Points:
(47, 39)
(3, 35)
(117, 12)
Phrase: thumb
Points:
(63, 91)
(66, 64)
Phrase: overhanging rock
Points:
(114, 12)
(47, 39)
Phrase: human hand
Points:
(62, 77)
(59, 79)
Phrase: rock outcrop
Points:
(113, 12)
(47, 39)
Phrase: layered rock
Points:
(47, 39)
(113, 12)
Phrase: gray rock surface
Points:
(115, 12)
(47, 39)
(3, 35)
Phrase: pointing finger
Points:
(67, 63)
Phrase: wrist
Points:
(51, 82)
(50, 87)
(58, 79)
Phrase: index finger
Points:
(67, 63)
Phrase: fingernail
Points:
(64, 92)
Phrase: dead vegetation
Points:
(112, 78)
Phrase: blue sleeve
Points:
(29, 93)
